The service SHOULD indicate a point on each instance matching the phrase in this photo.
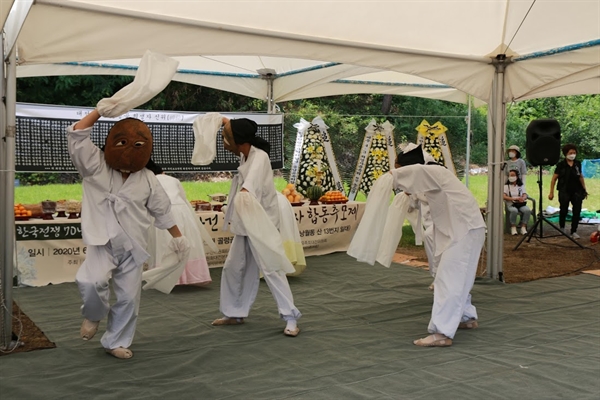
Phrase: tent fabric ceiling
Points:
(554, 46)
(293, 78)
(5, 6)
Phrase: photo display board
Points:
(41, 139)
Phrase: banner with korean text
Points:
(41, 140)
(52, 251)
(48, 251)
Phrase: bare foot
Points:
(227, 321)
(435, 340)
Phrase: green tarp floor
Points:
(537, 340)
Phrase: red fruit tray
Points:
(22, 218)
(335, 202)
(299, 204)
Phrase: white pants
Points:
(93, 277)
(240, 280)
(453, 281)
(429, 244)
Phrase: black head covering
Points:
(414, 156)
(154, 168)
(244, 131)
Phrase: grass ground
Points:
(193, 190)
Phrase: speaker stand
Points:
(541, 219)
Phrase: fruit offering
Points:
(61, 208)
(333, 196)
(36, 209)
(291, 194)
(314, 192)
(201, 205)
(73, 206)
(61, 205)
(21, 211)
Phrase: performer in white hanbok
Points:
(422, 222)
(257, 247)
(120, 198)
(196, 270)
(458, 232)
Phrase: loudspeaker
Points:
(543, 142)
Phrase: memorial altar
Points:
(51, 251)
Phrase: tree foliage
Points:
(347, 116)
(579, 118)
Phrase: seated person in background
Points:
(515, 198)
(515, 162)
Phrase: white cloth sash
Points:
(367, 239)
(166, 277)
(153, 75)
(392, 232)
(261, 231)
(205, 138)
(290, 235)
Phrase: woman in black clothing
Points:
(571, 187)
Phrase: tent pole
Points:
(269, 75)
(8, 91)
(8, 228)
(270, 96)
(6, 327)
(9, 215)
(468, 157)
(496, 124)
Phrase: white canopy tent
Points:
(497, 51)
(446, 41)
(275, 78)
(5, 6)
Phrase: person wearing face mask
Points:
(571, 188)
(515, 162)
(515, 198)
(257, 247)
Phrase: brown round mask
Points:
(128, 145)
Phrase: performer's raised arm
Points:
(87, 121)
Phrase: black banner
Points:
(47, 231)
(41, 141)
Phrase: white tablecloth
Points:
(52, 251)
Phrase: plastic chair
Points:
(531, 220)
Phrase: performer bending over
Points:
(420, 206)
(255, 220)
(119, 198)
(458, 232)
